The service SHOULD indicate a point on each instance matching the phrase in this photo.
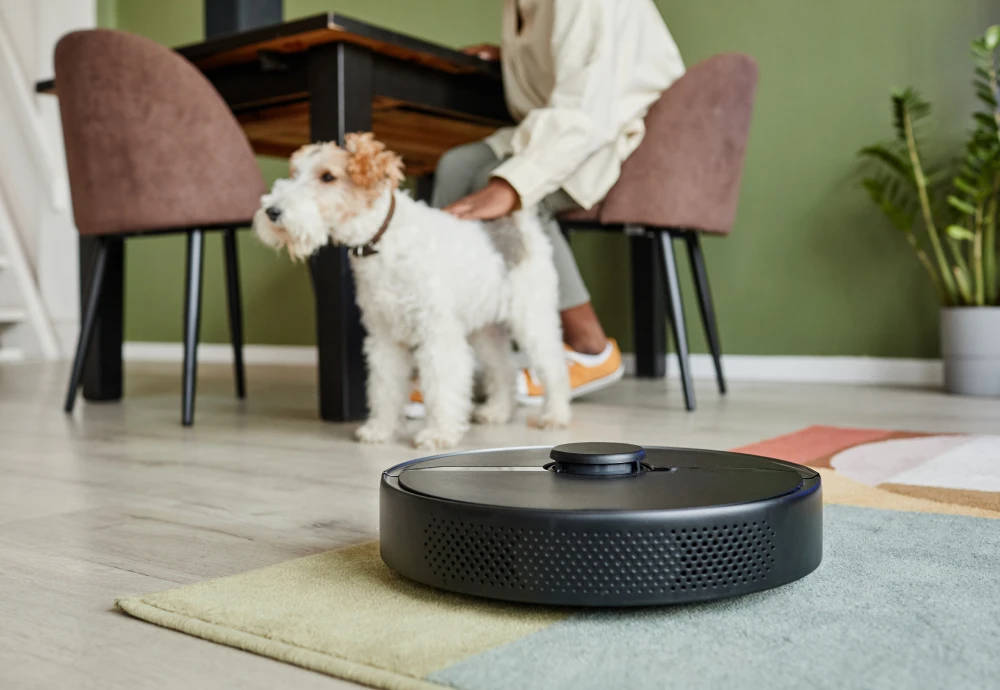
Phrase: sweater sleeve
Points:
(552, 142)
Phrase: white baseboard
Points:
(219, 353)
(778, 368)
(889, 371)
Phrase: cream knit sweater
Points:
(579, 76)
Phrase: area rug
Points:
(907, 597)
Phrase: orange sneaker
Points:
(415, 408)
(587, 374)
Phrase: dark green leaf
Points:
(961, 205)
(969, 189)
(890, 159)
(985, 119)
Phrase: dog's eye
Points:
(327, 177)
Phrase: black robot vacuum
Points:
(601, 524)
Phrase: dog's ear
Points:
(299, 157)
(369, 163)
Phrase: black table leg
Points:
(425, 188)
(649, 308)
(340, 98)
(102, 375)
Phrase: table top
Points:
(278, 123)
(300, 35)
(330, 27)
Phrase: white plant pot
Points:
(970, 347)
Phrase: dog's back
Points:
(429, 260)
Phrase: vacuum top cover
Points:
(601, 476)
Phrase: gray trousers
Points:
(466, 169)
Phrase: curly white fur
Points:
(438, 293)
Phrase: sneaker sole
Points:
(579, 391)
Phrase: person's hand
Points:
(496, 199)
(483, 51)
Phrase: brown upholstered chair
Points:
(682, 181)
(152, 148)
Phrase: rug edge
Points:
(273, 649)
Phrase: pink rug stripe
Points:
(813, 443)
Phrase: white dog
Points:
(433, 290)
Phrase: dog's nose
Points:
(274, 213)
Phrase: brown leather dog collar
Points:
(368, 249)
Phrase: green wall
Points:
(809, 269)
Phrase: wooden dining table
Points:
(317, 79)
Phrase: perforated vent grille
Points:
(651, 562)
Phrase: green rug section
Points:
(902, 600)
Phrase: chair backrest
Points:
(687, 171)
(150, 144)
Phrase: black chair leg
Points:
(192, 322)
(676, 313)
(705, 304)
(87, 325)
(235, 310)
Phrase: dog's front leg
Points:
(492, 347)
(388, 385)
(445, 362)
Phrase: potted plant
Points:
(949, 217)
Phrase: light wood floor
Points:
(121, 499)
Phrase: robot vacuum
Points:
(601, 524)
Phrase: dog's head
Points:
(329, 195)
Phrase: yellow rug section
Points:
(343, 613)
(840, 490)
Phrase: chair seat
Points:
(686, 173)
(582, 215)
(593, 217)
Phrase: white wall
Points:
(32, 165)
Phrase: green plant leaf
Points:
(875, 188)
(890, 159)
(936, 177)
(986, 120)
(964, 186)
(957, 232)
(881, 192)
(909, 101)
(992, 37)
(987, 98)
(961, 205)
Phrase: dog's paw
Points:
(551, 419)
(492, 413)
(436, 439)
(372, 432)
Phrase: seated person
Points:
(579, 76)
